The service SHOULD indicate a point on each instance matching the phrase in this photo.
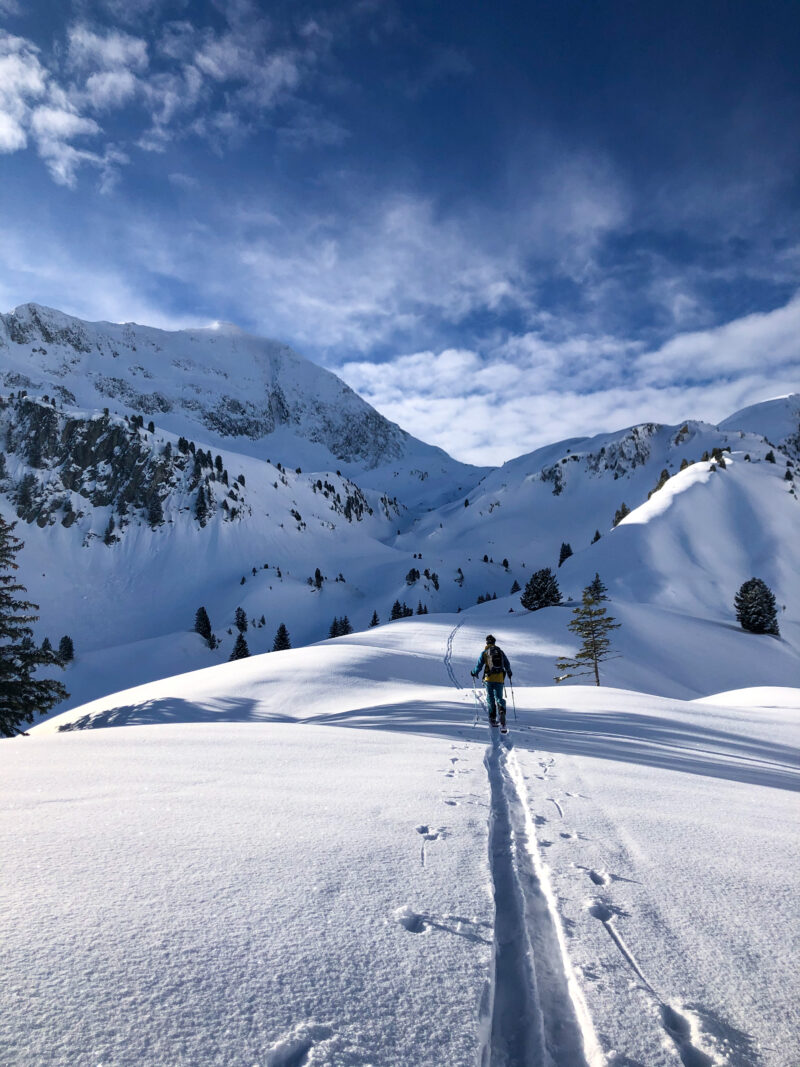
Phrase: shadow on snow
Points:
(624, 737)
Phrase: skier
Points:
(495, 666)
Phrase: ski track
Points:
(538, 1014)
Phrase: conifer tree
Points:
(335, 628)
(620, 513)
(515, 588)
(345, 626)
(397, 611)
(240, 620)
(597, 536)
(541, 590)
(590, 622)
(566, 552)
(66, 649)
(597, 589)
(281, 642)
(22, 695)
(201, 506)
(155, 512)
(240, 649)
(755, 607)
(374, 621)
(202, 624)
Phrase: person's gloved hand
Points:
(474, 674)
(509, 674)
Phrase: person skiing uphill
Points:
(495, 666)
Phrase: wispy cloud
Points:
(490, 407)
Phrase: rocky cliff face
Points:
(55, 467)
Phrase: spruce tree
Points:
(566, 552)
(597, 589)
(374, 621)
(281, 642)
(755, 607)
(22, 696)
(155, 512)
(201, 506)
(345, 626)
(397, 611)
(515, 588)
(241, 620)
(240, 649)
(620, 513)
(66, 649)
(597, 536)
(202, 624)
(590, 622)
(541, 590)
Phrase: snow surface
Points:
(297, 858)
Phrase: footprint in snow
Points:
(292, 1049)
(598, 877)
(411, 920)
(451, 803)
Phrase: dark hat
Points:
(490, 639)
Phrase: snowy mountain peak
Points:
(221, 385)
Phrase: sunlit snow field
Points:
(297, 859)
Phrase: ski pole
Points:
(513, 701)
(477, 703)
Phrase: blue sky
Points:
(502, 224)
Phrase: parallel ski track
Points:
(538, 1016)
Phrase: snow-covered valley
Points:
(319, 856)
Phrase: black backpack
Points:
(494, 659)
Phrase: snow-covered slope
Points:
(777, 420)
(232, 389)
(314, 856)
(136, 515)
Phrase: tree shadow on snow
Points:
(172, 710)
(624, 737)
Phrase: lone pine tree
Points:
(281, 642)
(565, 553)
(755, 607)
(541, 590)
(22, 695)
(592, 624)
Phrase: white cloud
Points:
(12, 135)
(765, 338)
(110, 88)
(55, 123)
(527, 392)
(110, 51)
